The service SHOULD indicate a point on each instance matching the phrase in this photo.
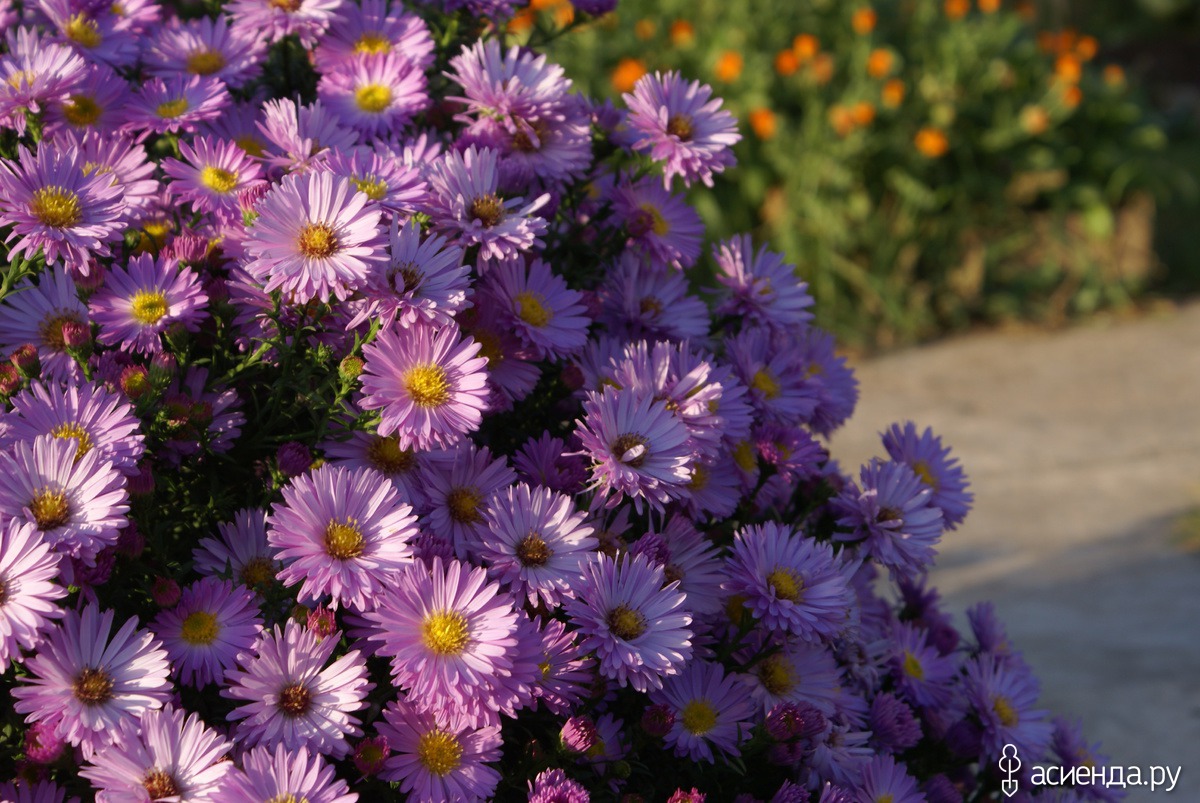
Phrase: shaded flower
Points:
(203, 634)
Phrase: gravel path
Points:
(1083, 450)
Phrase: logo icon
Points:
(1009, 764)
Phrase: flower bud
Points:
(27, 361)
(165, 592)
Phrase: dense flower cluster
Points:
(365, 437)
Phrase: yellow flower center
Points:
(489, 346)
(56, 207)
(93, 686)
(317, 241)
(373, 98)
(464, 505)
(81, 436)
(257, 572)
(427, 385)
(200, 629)
(698, 717)
(657, 222)
(439, 752)
(386, 455)
(251, 145)
(287, 6)
(172, 108)
(83, 31)
(487, 209)
(912, 666)
(218, 179)
(372, 186)
(650, 306)
(776, 675)
(372, 42)
(626, 623)
(343, 539)
(287, 797)
(50, 509)
(765, 383)
(533, 550)
(699, 478)
(1005, 711)
(295, 700)
(531, 308)
(148, 307)
(622, 446)
(922, 470)
(205, 62)
(21, 78)
(786, 584)
(80, 110)
(160, 784)
(445, 633)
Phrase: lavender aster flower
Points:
(374, 28)
(284, 773)
(205, 631)
(439, 758)
(212, 175)
(762, 287)
(38, 313)
(545, 313)
(140, 301)
(553, 786)
(884, 779)
(931, 461)
(711, 712)
(27, 589)
(375, 95)
(241, 553)
(1003, 696)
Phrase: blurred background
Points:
(1003, 168)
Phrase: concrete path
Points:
(1083, 450)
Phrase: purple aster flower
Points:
(286, 695)
(376, 27)
(78, 503)
(242, 553)
(884, 779)
(161, 756)
(537, 543)
(383, 454)
(640, 302)
(793, 583)
(542, 151)
(139, 302)
(546, 462)
(638, 448)
(89, 680)
(681, 127)
(517, 83)
(565, 669)
(176, 104)
(636, 624)
(293, 458)
(767, 363)
(465, 205)
(27, 589)
(447, 630)
(763, 289)
(893, 726)
(203, 634)
(662, 227)
(439, 757)
(272, 21)
(548, 316)
(425, 280)
(428, 382)
(124, 163)
(314, 235)
(370, 755)
(342, 532)
(37, 313)
(93, 32)
(799, 672)
(459, 487)
(382, 177)
(1071, 749)
(711, 711)
(893, 515)
(204, 47)
(52, 203)
(1003, 696)
(39, 792)
(34, 73)
(840, 758)
(282, 774)
(94, 418)
(931, 461)
(510, 371)
(301, 136)
(212, 175)
(375, 95)
(923, 675)
(553, 786)
(96, 104)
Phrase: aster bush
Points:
(369, 432)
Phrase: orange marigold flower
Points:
(1026, 10)
(989, 6)
(1114, 76)
(729, 66)
(564, 15)
(822, 68)
(626, 74)
(1068, 68)
(786, 62)
(879, 63)
(762, 121)
(1034, 119)
(893, 93)
(842, 119)
(522, 21)
(1047, 41)
(645, 29)
(1072, 96)
(863, 20)
(805, 46)
(931, 142)
(542, 5)
(1086, 48)
(956, 9)
(863, 113)
(682, 33)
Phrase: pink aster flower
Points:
(536, 543)
(88, 679)
(547, 315)
(428, 383)
(376, 27)
(635, 622)
(378, 173)
(176, 104)
(241, 553)
(52, 203)
(212, 175)
(566, 671)
(513, 83)
(96, 104)
(77, 502)
(458, 488)
(27, 589)
(710, 709)
(307, 19)
(315, 235)
(124, 162)
(284, 773)
(140, 301)
(439, 758)
(448, 631)
(93, 31)
(466, 205)
(638, 448)
(681, 127)
(37, 313)
(164, 755)
(299, 137)
(205, 631)
(343, 533)
(35, 73)
(94, 417)
(286, 695)
(204, 47)
(375, 95)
